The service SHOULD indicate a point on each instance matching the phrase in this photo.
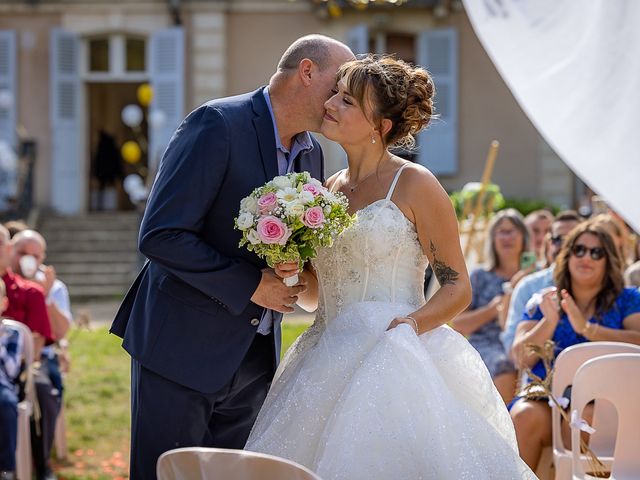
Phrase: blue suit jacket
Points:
(188, 314)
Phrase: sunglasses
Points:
(580, 251)
(557, 240)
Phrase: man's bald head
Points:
(317, 48)
(29, 236)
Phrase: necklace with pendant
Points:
(354, 187)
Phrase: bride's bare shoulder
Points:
(419, 181)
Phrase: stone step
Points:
(58, 258)
(104, 245)
(81, 279)
(65, 269)
(89, 235)
(96, 291)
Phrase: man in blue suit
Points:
(202, 319)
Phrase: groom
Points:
(202, 319)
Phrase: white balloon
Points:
(6, 99)
(132, 115)
(157, 118)
(131, 183)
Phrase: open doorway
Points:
(107, 133)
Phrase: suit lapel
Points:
(264, 130)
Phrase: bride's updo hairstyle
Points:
(394, 90)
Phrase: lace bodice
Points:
(378, 259)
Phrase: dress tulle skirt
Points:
(353, 401)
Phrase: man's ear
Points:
(305, 71)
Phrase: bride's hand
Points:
(285, 270)
(400, 320)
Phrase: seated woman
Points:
(593, 306)
(483, 321)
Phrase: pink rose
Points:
(272, 230)
(310, 187)
(267, 203)
(314, 217)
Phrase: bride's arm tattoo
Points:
(444, 273)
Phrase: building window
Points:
(99, 55)
(136, 49)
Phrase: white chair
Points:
(614, 378)
(197, 463)
(25, 408)
(604, 419)
(60, 435)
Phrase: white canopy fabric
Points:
(574, 68)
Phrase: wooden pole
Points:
(486, 178)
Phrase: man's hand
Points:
(272, 293)
(286, 270)
(49, 277)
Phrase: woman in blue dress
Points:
(589, 304)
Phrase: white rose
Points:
(306, 197)
(316, 182)
(244, 221)
(295, 209)
(288, 194)
(249, 204)
(253, 237)
(281, 182)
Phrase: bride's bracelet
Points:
(415, 323)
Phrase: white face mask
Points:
(28, 266)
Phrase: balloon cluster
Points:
(132, 116)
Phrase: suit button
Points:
(255, 322)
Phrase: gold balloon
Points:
(131, 152)
(145, 94)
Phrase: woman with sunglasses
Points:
(589, 303)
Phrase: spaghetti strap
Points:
(395, 180)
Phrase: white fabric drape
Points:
(574, 67)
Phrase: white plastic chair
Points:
(198, 463)
(614, 378)
(25, 408)
(604, 417)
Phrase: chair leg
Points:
(60, 436)
(23, 447)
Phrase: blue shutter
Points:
(438, 145)
(8, 87)
(66, 160)
(358, 39)
(166, 61)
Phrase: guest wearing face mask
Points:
(29, 252)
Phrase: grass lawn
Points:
(97, 405)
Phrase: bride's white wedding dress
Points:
(354, 401)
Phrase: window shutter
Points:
(358, 39)
(166, 62)
(438, 145)
(8, 87)
(65, 96)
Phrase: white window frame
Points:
(117, 60)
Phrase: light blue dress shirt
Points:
(301, 143)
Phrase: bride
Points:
(379, 387)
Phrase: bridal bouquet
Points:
(289, 218)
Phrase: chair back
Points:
(198, 463)
(613, 378)
(604, 419)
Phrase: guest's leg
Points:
(164, 416)
(42, 436)
(532, 421)
(236, 408)
(8, 429)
